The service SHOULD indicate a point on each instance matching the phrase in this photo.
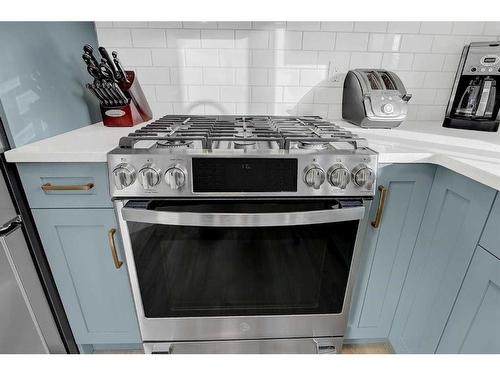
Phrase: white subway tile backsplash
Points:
(284, 77)
(165, 25)
(451, 63)
(130, 24)
(149, 38)
(251, 39)
(168, 57)
(366, 60)
(436, 27)
(203, 93)
(296, 58)
(468, 28)
(268, 25)
(287, 68)
(404, 27)
(337, 26)
(234, 25)
(132, 57)
(199, 25)
(218, 76)
(171, 93)
(115, 38)
(234, 57)
(261, 94)
(303, 26)
(153, 75)
(351, 42)
(438, 80)
(186, 76)
(202, 57)
(423, 96)
(282, 39)
(303, 94)
(318, 40)
(416, 43)
(235, 94)
(183, 38)
(217, 38)
(370, 26)
(428, 63)
(448, 44)
(491, 28)
(397, 61)
(103, 24)
(334, 60)
(251, 108)
(252, 76)
(313, 77)
(328, 95)
(384, 42)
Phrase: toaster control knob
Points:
(363, 176)
(175, 176)
(314, 176)
(149, 176)
(339, 176)
(388, 108)
(124, 175)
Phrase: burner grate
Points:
(306, 132)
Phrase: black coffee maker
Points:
(474, 103)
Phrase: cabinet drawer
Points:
(65, 185)
(490, 239)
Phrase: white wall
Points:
(287, 67)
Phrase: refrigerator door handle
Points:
(10, 226)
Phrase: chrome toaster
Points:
(374, 98)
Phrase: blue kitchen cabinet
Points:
(474, 325)
(387, 250)
(95, 293)
(454, 218)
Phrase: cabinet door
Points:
(474, 325)
(96, 295)
(454, 218)
(387, 249)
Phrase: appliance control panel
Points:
(482, 62)
(314, 174)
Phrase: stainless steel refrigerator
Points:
(32, 318)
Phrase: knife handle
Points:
(87, 48)
(108, 59)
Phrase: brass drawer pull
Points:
(111, 237)
(380, 208)
(50, 187)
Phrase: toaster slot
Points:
(388, 81)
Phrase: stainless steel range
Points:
(241, 233)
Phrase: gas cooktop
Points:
(191, 156)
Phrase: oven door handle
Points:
(268, 219)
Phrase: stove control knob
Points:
(124, 175)
(363, 176)
(339, 176)
(314, 176)
(175, 176)
(149, 176)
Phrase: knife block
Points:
(133, 113)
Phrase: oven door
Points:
(214, 270)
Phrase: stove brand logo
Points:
(246, 166)
(244, 327)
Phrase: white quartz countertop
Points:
(471, 153)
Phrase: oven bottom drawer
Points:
(323, 345)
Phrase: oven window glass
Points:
(186, 271)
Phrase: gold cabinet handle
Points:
(380, 208)
(50, 187)
(111, 237)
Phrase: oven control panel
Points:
(342, 174)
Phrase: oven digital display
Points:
(241, 175)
